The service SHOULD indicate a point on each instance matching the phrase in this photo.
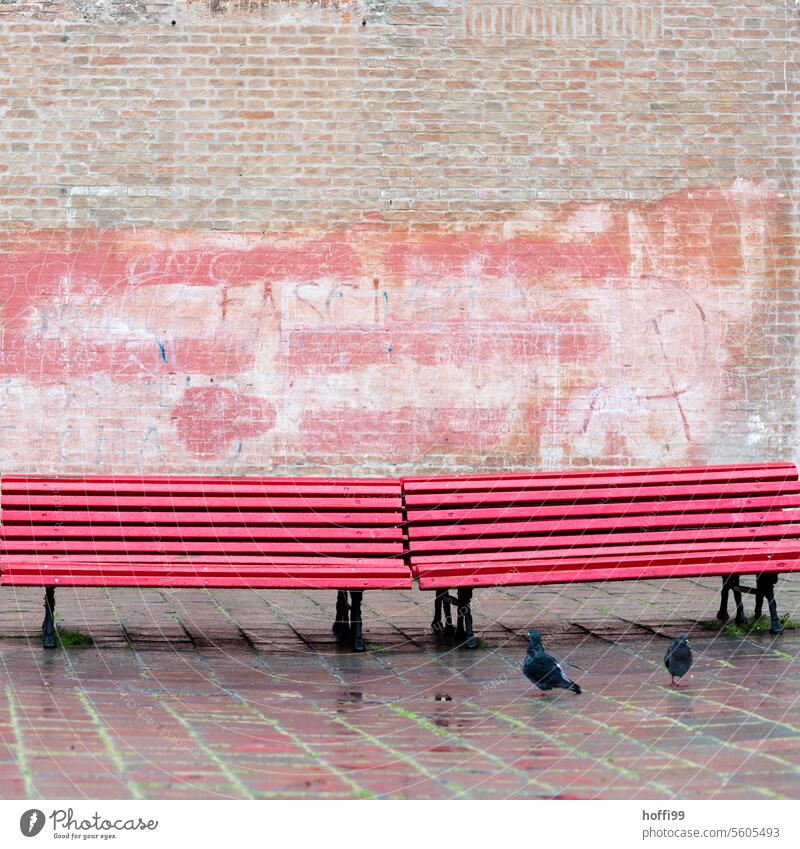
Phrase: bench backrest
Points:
(531, 528)
(285, 531)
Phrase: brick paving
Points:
(245, 694)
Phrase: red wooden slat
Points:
(11, 561)
(217, 532)
(207, 547)
(568, 540)
(616, 508)
(762, 547)
(241, 490)
(176, 517)
(573, 473)
(166, 479)
(567, 496)
(554, 482)
(535, 564)
(276, 503)
(644, 524)
(695, 570)
(300, 570)
(344, 582)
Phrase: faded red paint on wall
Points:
(210, 419)
(585, 333)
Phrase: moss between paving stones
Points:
(758, 626)
(72, 639)
(66, 638)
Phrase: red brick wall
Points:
(382, 236)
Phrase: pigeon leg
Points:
(355, 620)
(465, 608)
(49, 624)
(341, 625)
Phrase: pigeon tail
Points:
(575, 688)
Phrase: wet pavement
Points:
(245, 694)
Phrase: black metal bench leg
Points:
(722, 613)
(341, 625)
(449, 631)
(355, 620)
(465, 610)
(49, 624)
(437, 625)
(731, 583)
(442, 630)
(740, 619)
(765, 588)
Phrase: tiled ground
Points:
(245, 694)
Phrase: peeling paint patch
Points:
(209, 420)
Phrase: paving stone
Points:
(179, 699)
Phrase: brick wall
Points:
(266, 235)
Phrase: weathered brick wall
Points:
(377, 236)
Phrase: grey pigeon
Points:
(678, 659)
(542, 669)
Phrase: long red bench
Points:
(265, 533)
(547, 528)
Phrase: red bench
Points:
(265, 533)
(633, 524)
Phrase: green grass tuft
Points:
(758, 626)
(73, 639)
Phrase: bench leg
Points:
(442, 601)
(765, 588)
(355, 620)
(341, 625)
(731, 583)
(49, 624)
(464, 630)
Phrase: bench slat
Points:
(208, 547)
(694, 505)
(554, 482)
(621, 552)
(210, 571)
(640, 493)
(676, 471)
(232, 502)
(394, 483)
(577, 540)
(565, 561)
(10, 561)
(177, 517)
(644, 524)
(695, 570)
(339, 582)
(329, 533)
(200, 487)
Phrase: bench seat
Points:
(632, 524)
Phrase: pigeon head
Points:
(681, 639)
(534, 637)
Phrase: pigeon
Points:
(678, 659)
(542, 669)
